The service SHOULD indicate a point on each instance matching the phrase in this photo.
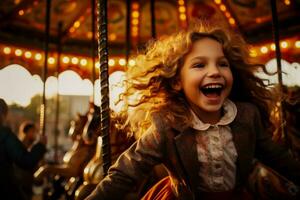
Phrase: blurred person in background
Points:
(12, 151)
(28, 134)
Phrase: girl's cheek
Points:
(197, 78)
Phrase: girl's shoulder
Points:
(160, 120)
(246, 110)
(245, 106)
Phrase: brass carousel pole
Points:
(45, 69)
(59, 30)
(93, 48)
(275, 27)
(103, 76)
(128, 38)
(153, 22)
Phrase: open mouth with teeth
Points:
(212, 90)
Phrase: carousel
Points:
(62, 65)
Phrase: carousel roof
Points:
(22, 26)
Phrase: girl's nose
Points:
(213, 71)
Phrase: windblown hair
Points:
(150, 84)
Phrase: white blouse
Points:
(216, 151)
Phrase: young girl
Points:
(202, 113)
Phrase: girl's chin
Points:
(208, 103)
(212, 108)
(213, 99)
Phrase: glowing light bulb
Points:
(131, 62)
(287, 2)
(18, 52)
(273, 47)
(112, 36)
(38, 56)
(217, 1)
(97, 65)
(182, 17)
(135, 22)
(181, 9)
(83, 62)
(284, 44)
(264, 49)
(111, 62)
(66, 59)
(135, 14)
(7, 50)
(181, 2)
(51, 60)
(297, 44)
(253, 53)
(77, 24)
(28, 54)
(223, 7)
(122, 62)
(21, 12)
(75, 60)
(227, 14)
(231, 21)
(135, 6)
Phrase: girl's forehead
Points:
(206, 46)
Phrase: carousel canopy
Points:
(22, 27)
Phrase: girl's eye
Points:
(224, 64)
(199, 65)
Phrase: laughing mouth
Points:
(212, 90)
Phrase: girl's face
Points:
(206, 78)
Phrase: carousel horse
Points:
(90, 129)
(73, 158)
(266, 184)
(93, 172)
(290, 102)
(74, 162)
(292, 114)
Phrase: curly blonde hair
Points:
(150, 84)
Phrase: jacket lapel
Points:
(185, 144)
(241, 139)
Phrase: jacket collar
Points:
(230, 112)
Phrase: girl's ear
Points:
(176, 85)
